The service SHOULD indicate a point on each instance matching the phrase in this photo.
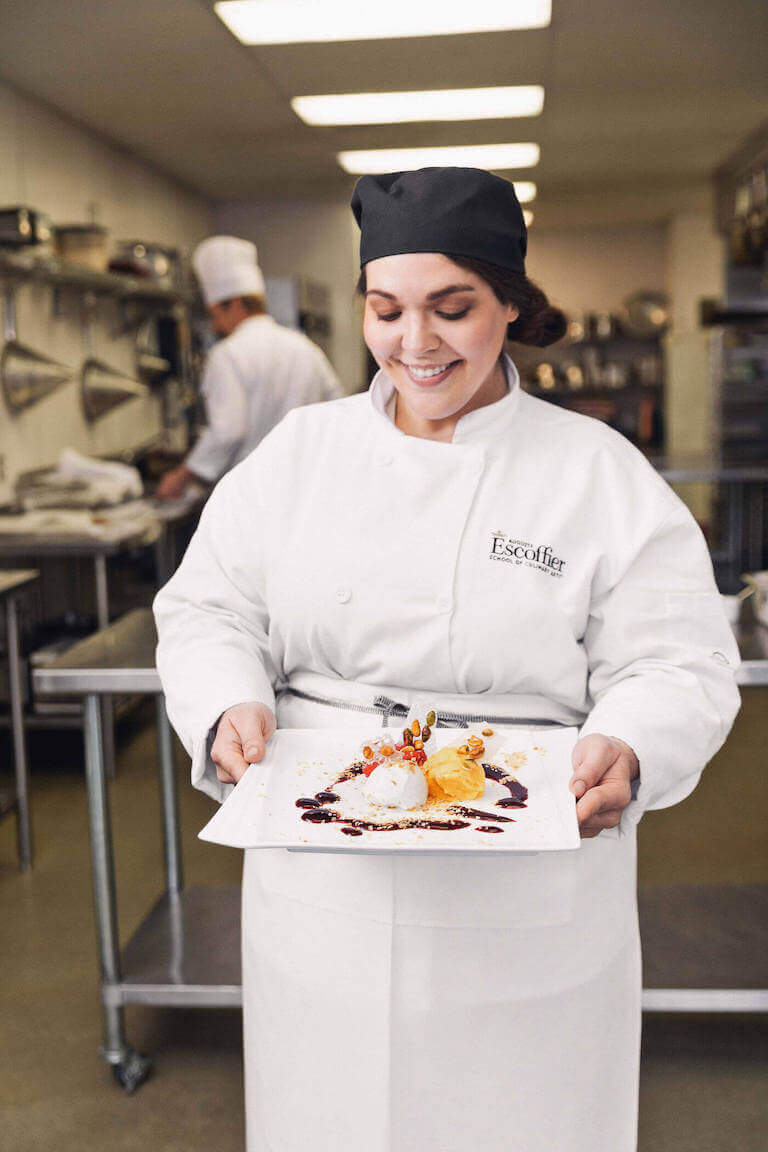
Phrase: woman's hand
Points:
(602, 770)
(241, 739)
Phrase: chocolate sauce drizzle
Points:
(518, 793)
(330, 816)
(479, 814)
(317, 812)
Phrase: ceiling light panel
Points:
(491, 156)
(409, 107)
(314, 21)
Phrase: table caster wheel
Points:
(132, 1070)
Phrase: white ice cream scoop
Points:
(398, 784)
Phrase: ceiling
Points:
(644, 95)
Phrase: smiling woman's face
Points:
(437, 330)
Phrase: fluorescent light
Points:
(312, 21)
(402, 107)
(492, 156)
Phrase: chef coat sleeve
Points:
(212, 621)
(226, 410)
(662, 661)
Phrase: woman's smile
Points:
(428, 375)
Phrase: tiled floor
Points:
(704, 1079)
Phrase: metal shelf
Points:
(186, 953)
(59, 275)
(704, 947)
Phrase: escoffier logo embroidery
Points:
(523, 552)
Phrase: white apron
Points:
(396, 1004)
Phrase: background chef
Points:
(255, 374)
(401, 1002)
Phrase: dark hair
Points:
(252, 303)
(539, 323)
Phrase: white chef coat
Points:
(535, 567)
(251, 379)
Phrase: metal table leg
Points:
(102, 619)
(130, 1067)
(19, 743)
(170, 805)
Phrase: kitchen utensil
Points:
(22, 226)
(103, 388)
(574, 376)
(84, 245)
(151, 366)
(28, 376)
(646, 313)
(600, 325)
(139, 258)
(614, 375)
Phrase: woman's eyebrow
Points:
(438, 295)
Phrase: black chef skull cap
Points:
(456, 211)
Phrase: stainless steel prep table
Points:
(704, 945)
(11, 583)
(183, 515)
(53, 545)
(187, 950)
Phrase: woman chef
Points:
(447, 539)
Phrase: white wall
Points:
(318, 240)
(695, 269)
(596, 268)
(52, 164)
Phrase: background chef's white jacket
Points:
(251, 379)
(536, 555)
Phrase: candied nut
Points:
(418, 743)
(426, 732)
(431, 719)
(473, 753)
(487, 731)
(407, 736)
(415, 727)
(386, 749)
(463, 751)
(368, 752)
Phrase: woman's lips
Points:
(431, 380)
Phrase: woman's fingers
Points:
(609, 818)
(605, 797)
(592, 757)
(227, 754)
(602, 769)
(241, 739)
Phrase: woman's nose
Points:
(417, 335)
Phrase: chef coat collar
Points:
(491, 418)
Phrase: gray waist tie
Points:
(385, 707)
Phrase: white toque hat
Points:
(227, 267)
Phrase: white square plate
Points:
(261, 811)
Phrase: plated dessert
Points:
(407, 782)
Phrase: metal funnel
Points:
(28, 376)
(103, 388)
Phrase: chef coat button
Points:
(383, 457)
(343, 594)
(444, 604)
